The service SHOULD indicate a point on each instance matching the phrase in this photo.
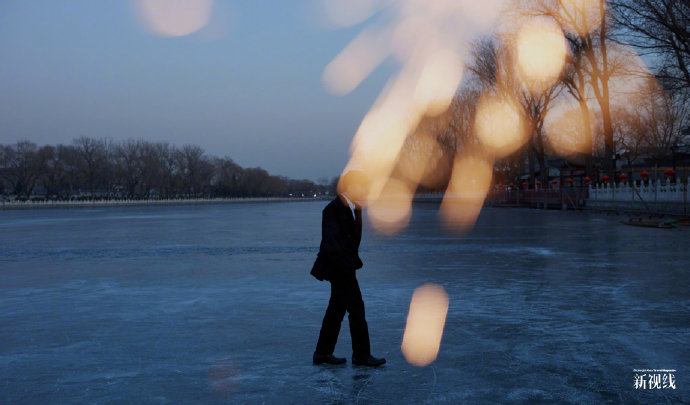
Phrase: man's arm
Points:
(358, 221)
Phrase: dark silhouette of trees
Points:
(21, 166)
(660, 28)
(91, 168)
(92, 162)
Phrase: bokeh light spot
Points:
(174, 18)
(425, 322)
(541, 52)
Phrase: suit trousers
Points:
(345, 296)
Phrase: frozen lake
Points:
(215, 304)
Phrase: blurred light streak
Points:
(355, 62)
(425, 322)
(418, 163)
(352, 12)
(438, 82)
(174, 18)
(392, 210)
(464, 197)
(428, 39)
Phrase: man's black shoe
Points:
(370, 361)
(328, 358)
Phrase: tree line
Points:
(137, 169)
(604, 106)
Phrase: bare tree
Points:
(493, 66)
(195, 169)
(53, 170)
(630, 132)
(660, 28)
(20, 166)
(150, 169)
(168, 182)
(652, 125)
(575, 82)
(69, 156)
(129, 165)
(589, 31)
(92, 161)
(663, 119)
(460, 134)
(227, 176)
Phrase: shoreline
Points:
(25, 205)
(679, 210)
(609, 207)
(42, 204)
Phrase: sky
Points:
(247, 86)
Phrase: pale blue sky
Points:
(84, 67)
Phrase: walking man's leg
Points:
(345, 296)
(330, 327)
(359, 329)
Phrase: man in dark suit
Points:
(337, 261)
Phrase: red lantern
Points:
(538, 183)
(554, 182)
(644, 175)
(569, 181)
(587, 180)
(512, 185)
(605, 179)
(524, 184)
(669, 173)
(623, 177)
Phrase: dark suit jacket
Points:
(340, 237)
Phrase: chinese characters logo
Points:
(654, 379)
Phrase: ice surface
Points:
(215, 304)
